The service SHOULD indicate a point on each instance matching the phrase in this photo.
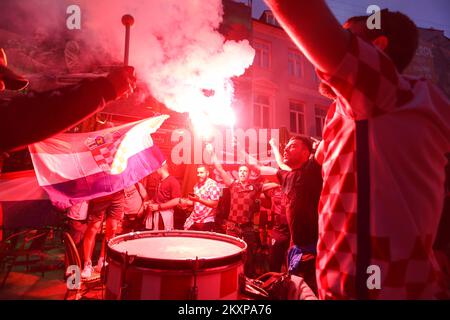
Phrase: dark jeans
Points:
(251, 237)
(307, 270)
(278, 249)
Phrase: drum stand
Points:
(103, 271)
(123, 285)
(193, 294)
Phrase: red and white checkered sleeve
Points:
(366, 81)
(213, 192)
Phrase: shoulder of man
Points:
(313, 166)
(281, 174)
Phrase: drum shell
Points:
(149, 279)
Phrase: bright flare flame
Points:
(213, 109)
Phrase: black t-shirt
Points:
(301, 192)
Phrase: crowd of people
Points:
(137, 209)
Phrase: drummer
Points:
(205, 200)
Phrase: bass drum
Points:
(174, 265)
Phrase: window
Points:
(320, 114)
(261, 111)
(262, 54)
(315, 76)
(294, 64)
(297, 117)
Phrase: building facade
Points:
(432, 59)
(285, 85)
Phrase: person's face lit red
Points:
(295, 153)
(202, 174)
(243, 174)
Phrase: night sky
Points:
(425, 13)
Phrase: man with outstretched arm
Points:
(244, 204)
(30, 118)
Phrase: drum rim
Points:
(177, 264)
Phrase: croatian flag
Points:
(72, 167)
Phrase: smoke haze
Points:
(175, 46)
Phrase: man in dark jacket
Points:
(300, 178)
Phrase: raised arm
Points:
(38, 116)
(277, 155)
(264, 170)
(314, 29)
(319, 155)
(226, 177)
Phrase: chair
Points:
(26, 243)
(73, 260)
(6, 248)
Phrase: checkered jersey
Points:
(207, 191)
(243, 201)
(408, 130)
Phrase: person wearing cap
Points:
(30, 118)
